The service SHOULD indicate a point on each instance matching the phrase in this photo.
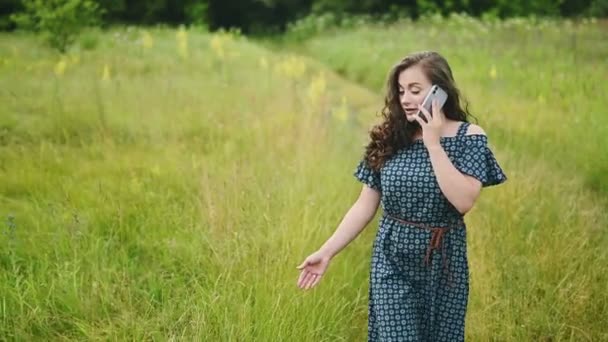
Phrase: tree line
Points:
(268, 16)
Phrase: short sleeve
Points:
(477, 160)
(365, 174)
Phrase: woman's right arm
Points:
(355, 220)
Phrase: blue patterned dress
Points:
(410, 300)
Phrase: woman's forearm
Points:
(453, 184)
(355, 220)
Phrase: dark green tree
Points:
(59, 21)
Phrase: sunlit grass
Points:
(152, 191)
(154, 194)
(537, 242)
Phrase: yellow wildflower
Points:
(106, 73)
(541, 99)
(182, 42)
(493, 72)
(61, 66)
(341, 113)
(217, 45)
(263, 63)
(317, 88)
(146, 40)
(292, 67)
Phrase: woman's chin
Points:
(410, 118)
(412, 121)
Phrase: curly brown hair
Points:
(395, 132)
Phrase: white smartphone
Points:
(435, 93)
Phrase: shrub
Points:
(59, 21)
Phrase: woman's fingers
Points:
(309, 275)
(312, 281)
(426, 113)
(438, 115)
(302, 278)
(301, 265)
(316, 281)
(420, 120)
(435, 108)
(305, 278)
(308, 279)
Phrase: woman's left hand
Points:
(431, 130)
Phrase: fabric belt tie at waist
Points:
(435, 243)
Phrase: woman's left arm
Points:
(460, 189)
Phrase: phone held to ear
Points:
(435, 93)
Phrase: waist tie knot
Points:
(436, 242)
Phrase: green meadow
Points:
(163, 184)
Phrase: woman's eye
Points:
(415, 92)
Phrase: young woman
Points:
(427, 174)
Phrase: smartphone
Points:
(435, 93)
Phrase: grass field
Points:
(164, 184)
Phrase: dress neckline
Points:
(460, 132)
(454, 136)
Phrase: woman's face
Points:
(413, 87)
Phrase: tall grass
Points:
(537, 242)
(156, 191)
(164, 185)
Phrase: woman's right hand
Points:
(312, 269)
